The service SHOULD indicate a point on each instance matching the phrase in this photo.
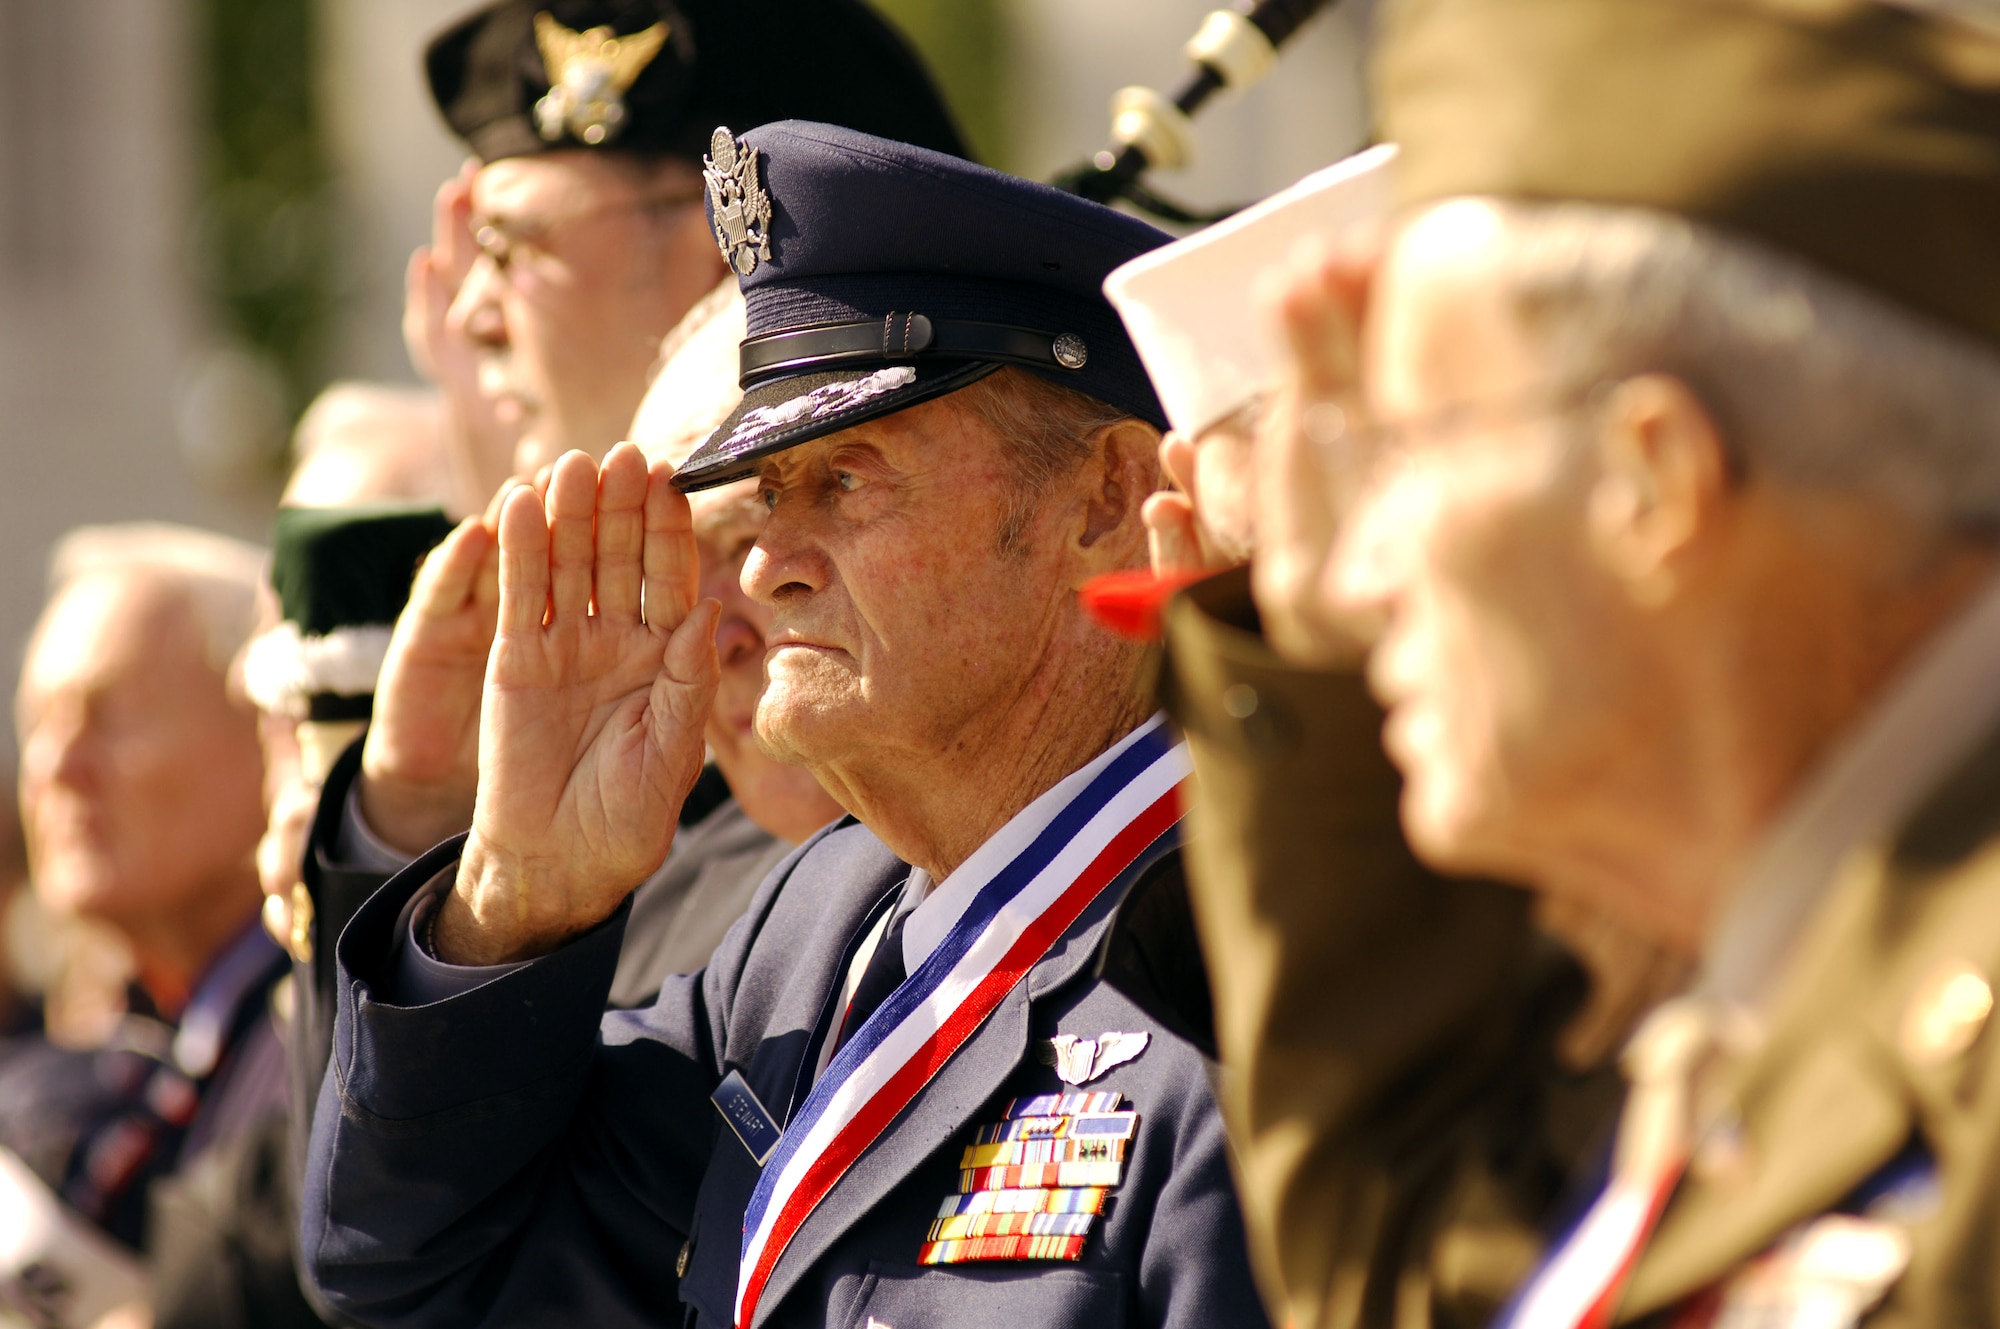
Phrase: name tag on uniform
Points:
(755, 1127)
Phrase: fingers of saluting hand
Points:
(624, 533)
(451, 573)
(1320, 303)
(572, 510)
(524, 561)
(621, 534)
(424, 302)
(451, 228)
(1170, 533)
(491, 517)
(672, 565)
(685, 689)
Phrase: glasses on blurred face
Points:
(1363, 457)
(505, 239)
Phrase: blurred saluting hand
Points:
(444, 350)
(600, 682)
(420, 764)
(1312, 448)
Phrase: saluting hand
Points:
(441, 348)
(1312, 448)
(420, 765)
(599, 685)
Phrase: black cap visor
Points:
(783, 413)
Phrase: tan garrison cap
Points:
(1859, 134)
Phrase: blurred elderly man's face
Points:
(140, 780)
(1610, 655)
(1514, 689)
(587, 263)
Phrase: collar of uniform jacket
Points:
(941, 904)
(948, 900)
(1936, 712)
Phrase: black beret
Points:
(673, 70)
(877, 275)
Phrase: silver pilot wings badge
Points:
(1081, 1060)
(589, 74)
(739, 209)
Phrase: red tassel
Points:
(1129, 603)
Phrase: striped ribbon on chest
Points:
(1026, 904)
(1580, 1282)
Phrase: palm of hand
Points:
(610, 740)
(601, 679)
(420, 768)
(428, 707)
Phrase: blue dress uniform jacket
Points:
(517, 1155)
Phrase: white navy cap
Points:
(1188, 305)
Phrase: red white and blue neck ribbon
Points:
(1020, 911)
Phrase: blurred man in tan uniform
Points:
(1664, 465)
(1310, 981)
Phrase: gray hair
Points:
(1047, 430)
(1812, 380)
(219, 576)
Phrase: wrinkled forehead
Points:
(1442, 327)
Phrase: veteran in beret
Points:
(905, 1090)
(573, 247)
(1657, 455)
(579, 239)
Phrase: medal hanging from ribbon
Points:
(1027, 901)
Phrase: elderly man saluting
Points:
(931, 1106)
(1666, 459)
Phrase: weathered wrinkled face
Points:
(1503, 661)
(899, 627)
(140, 779)
(585, 265)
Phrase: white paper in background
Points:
(57, 1271)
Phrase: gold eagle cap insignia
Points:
(589, 74)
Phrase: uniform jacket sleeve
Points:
(1385, 1033)
(478, 1154)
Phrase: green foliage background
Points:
(265, 227)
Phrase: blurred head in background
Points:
(140, 774)
(359, 446)
(375, 442)
(693, 391)
(1662, 449)
(586, 211)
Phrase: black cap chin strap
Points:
(902, 337)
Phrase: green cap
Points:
(350, 567)
(342, 576)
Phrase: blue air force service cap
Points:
(877, 275)
(652, 77)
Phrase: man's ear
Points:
(1123, 471)
(1662, 486)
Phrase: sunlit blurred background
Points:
(206, 207)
